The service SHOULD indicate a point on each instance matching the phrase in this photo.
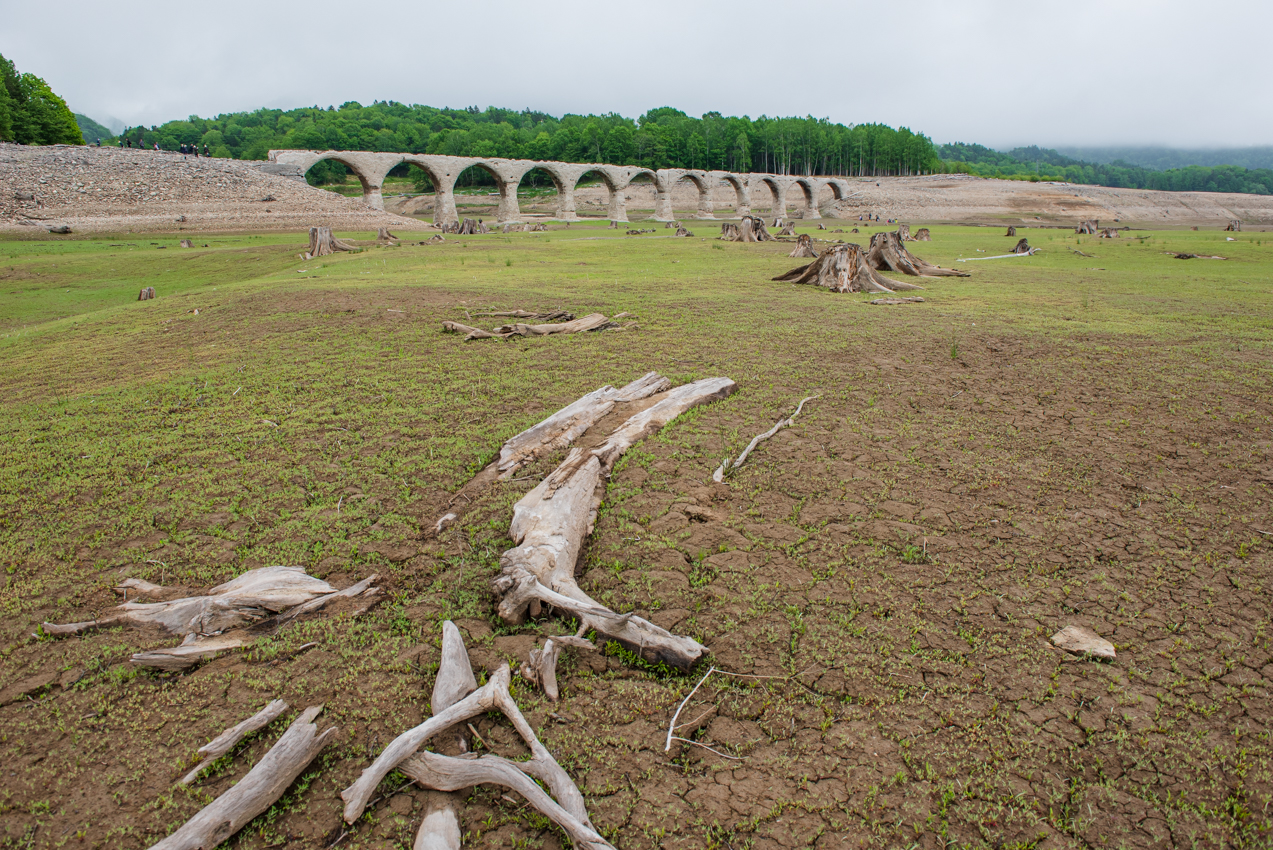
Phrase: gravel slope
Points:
(108, 189)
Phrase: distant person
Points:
(196, 151)
(130, 142)
(156, 145)
(121, 143)
(99, 141)
(205, 150)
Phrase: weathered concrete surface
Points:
(371, 168)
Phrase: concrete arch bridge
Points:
(371, 168)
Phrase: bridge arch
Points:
(809, 190)
(742, 192)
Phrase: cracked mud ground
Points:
(1034, 447)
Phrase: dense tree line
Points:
(662, 138)
(1035, 163)
(30, 113)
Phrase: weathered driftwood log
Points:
(139, 586)
(1012, 231)
(551, 522)
(554, 316)
(804, 248)
(191, 651)
(444, 773)
(440, 829)
(322, 243)
(384, 237)
(186, 243)
(223, 743)
(914, 299)
(788, 229)
(904, 233)
(1089, 227)
(726, 467)
(922, 235)
(593, 322)
(257, 791)
(1022, 247)
(146, 294)
(568, 424)
(729, 231)
(681, 231)
(1028, 253)
(252, 596)
(843, 268)
(887, 253)
(1195, 256)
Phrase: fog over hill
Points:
(1162, 158)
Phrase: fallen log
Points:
(551, 522)
(257, 791)
(322, 243)
(804, 248)
(915, 299)
(843, 268)
(887, 253)
(555, 316)
(725, 468)
(593, 322)
(189, 652)
(252, 596)
(223, 743)
(1195, 256)
(1029, 253)
(922, 235)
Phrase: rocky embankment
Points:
(92, 189)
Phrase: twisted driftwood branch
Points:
(223, 743)
(719, 475)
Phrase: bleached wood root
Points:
(252, 596)
(440, 829)
(362, 588)
(541, 669)
(223, 743)
(892, 301)
(592, 322)
(804, 248)
(257, 791)
(557, 316)
(140, 586)
(719, 475)
(190, 652)
(453, 774)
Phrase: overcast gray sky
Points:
(998, 72)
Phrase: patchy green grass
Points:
(1056, 439)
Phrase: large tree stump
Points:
(788, 229)
(1012, 231)
(904, 233)
(681, 231)
(471, 227)
(729, 231)
(804, 248)
(384, 237)
(322, 243)
(1110, 233)
(1234, 225)
(1022, 247)
(887, 253)
(922, 235)
(843, 268)
(186, 243)
(1088, 227)
(752, 229)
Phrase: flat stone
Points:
(1083, 641)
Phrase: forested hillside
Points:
(1035, 163)
(662, 138)
(30, 113)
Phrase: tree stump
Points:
(1234, 225)
(752, 229)
(887, 253)
(1110, 233)
(844, 268)
(1012, 231)
(322, 243)
(821, 226)
(668, 225)
(1088, 227)
(804, 248)
(146, 294)
(904, 232)
(538, 227)
(186, 243)
(681, 231)
(729, 231)
(922, 235)
(471, 227)
(384, 237)
(788, 229)
(1023, 247)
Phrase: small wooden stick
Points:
(223, 743)
(719, 475)
(257, 791)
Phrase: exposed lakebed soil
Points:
(965, 486)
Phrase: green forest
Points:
(30, 113)
(1035, 163)
(661, 138)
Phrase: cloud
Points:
(990, 71)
